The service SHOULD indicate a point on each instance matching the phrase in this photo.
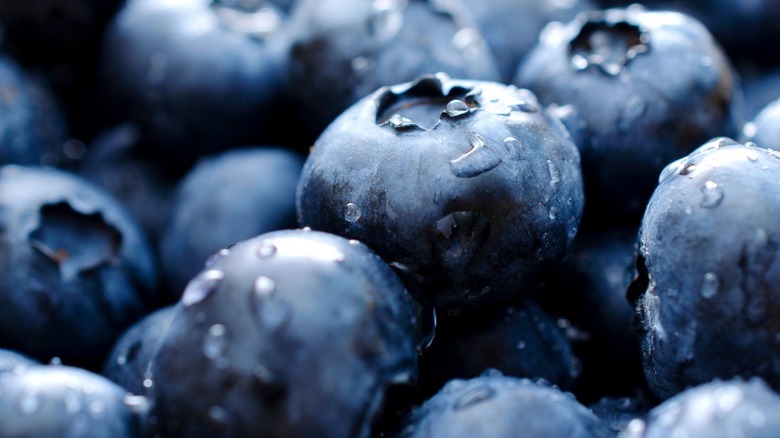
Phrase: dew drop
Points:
(30, 403)
(437, 197)
(148, 383)
(478, 160)
(553, 213)
(712, 195)
(216, 257)
(201, 286)
(215, 343)
(362, 64)
(710, 286)
(514, 149)
(521, 345)
(687, 169)
(456, 108)
(72, 403)
(266, 249)
(474, 396)
(752, 156)
(555, 174)
(264, 286)
(729, 398)
(352, 212)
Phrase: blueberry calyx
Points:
(608, 44)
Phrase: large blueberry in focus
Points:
(75, 269)
(342, 50)
(128, 364)
(707, 296)
(497, 406)
(717, 409)
(637, 89)
(519, 341)
(469, 189)
(59, 401)
(197, 75)
(224, 199)
(32, 125)
(291, 333)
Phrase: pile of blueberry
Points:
(389, 218)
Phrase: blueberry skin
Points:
(498, 406)
(343, 50)
(11, 360)
(129, 362)
(469, 189)
(291, 333)
(640, 89)
(764, 129)
(519, 341)
(717, 409)
(512, 27)
(60, 401)
(618, 412)
(227, 198)
(32, 125)
(197, 75)
(75, 269)
(706, 292)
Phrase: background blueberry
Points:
(342, 50)
(764, 130)
(498, 406)
(198, 76)
(224, 199)
(128, 365)
(469, 189)
(59, 401)
(643, 88)
(519, 341)
(291, 333)
(732, 408)
(75, 269)
(706, 294)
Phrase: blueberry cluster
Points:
(389, 218)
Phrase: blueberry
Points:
(511, 27)
(11, 360)
(226, 198)
(638, 89)
(519, 341)
(291, 333)
(342, 50)
(590, 292)
(59, 401)
(764, 129)
(469, 189)
(75, 269)
(198, 76)
(498, 406)
(129, 362)
(32, 125)
(717, 409)
(706, 294)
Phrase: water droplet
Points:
(474, 396)
(555, 174)
(398, 121)
(352, 212)
(136, 403)
(710, 286)
(96, 407)
(687, 169)
(148, 383)
(29, 403)
(272, 312)
(521, 345)
(387, 18)
(468, 41)
(362, 64)
(218, 415)
(266, 249)
(752, 155)
(514, 149)
(215, 343)
(553, 213)
(478, 160)
(72, 403)
(712, 195)
(201, 286)
(750, 130)
(264, 286)
(456, 108)
(354, 242)
(216, 257)
(729, 398)
(437, 197)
